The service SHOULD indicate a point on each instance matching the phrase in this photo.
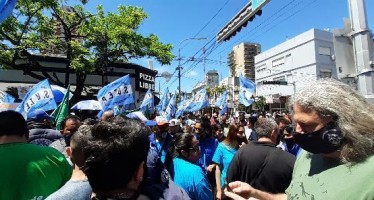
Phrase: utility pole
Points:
(179, 68)
(362, 48)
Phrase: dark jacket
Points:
(43, 137)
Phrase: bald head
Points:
(107, 115)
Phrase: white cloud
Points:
(192, 73)
(162, 68)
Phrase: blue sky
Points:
(176, 20)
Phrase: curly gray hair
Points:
(349, 109)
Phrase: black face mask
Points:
(326, 140)
(289, 142)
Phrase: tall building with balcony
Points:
(242, 60)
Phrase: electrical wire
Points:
(213, 45)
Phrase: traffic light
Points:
(275, 83)
(241, 19)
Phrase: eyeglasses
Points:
(195, 149)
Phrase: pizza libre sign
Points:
(145, 81)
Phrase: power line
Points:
(267, 22)
(268, 19)
(214, 16)
(259, 25)
(196, 35)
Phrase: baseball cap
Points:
(174, 122)
(39, 115)
(161, 120)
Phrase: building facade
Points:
(142, 78)
(298, 61)
(241, 60)
(211, 80)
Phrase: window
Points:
(261, 68)
(278, 62)
(288, 58)
(325, 73)
(326, 51)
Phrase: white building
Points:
(306, 57)
(211, 80)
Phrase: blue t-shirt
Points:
(192, 179)
(223, 157)
(295, 150)
(208, 147)
(161, 146)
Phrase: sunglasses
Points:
(195, 149)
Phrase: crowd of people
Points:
(321, 148)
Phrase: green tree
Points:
(214, 92)
(89, 42)
(260, 103)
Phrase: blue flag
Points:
(117, 93)
(222, 100)
(224, 109)
(184, 97)
(182, 106)
(6, 98)
(200, 101)
(247, 89)
(38, 97)
(6, 8)
(148, 102)
(164, 101)
(170, 109)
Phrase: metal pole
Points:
(159, 89)
(179, 69)
(362, 44)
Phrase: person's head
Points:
(187, 129)
(198, 128)
(78, 142)
(267, 128)
(218, 131)
(41, 117)
(115, 156)
(162, 130)
(337, 117)
(70, 125)
(174, 126)
(241, 130)
(223, 119)
(13, 127)
(235, 136)
(282, 122)
(251, 122)
(89, 121)
(107, 115)
(162, 124)
(186, 146)
(215, 116)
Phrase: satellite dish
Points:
(166, 75)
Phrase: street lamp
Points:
(167, 76)
(179, 68)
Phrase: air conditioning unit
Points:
(333, 57)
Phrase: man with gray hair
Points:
(334, 125)
(261, 164)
